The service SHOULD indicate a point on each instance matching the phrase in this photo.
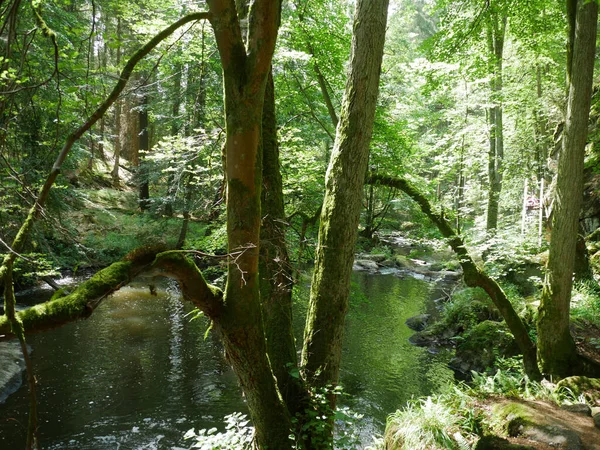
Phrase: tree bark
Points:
(276, 279)
(341, 207)
(143, 147)
(245, 70)
(556, 347)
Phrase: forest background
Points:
(471, 110)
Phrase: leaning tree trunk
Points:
(473, 275)
(342, 203)
(556, 347)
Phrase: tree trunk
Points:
(556, 347)
(496, 33)
(143, 147)
(246, 64)
(275, 270)
(342, 204)
(175, 127)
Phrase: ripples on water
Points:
(138, 373)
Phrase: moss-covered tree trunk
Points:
(342, 203)
(473, 275)
(246, 64)
(276, 277)
(555, 343)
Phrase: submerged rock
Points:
(365, 264)
(418, 323)
(11, 368)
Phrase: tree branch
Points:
(264, 19)
(82, 302)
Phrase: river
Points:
(138, 373)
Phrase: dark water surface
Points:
(138, 374)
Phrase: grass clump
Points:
(445, 421)
(585, 302)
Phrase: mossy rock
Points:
(402, 262)
(484, 343)
(513, 417)
(498, 443)
(468, 308)
(520, 419)
(576, 386)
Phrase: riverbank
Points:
(499, 408)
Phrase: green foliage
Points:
(238, 435)
(314, 423)
(585, 302)
(467, 308)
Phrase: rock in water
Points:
(12, 366)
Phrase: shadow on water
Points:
(139, 373)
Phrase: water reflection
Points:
(138, 373)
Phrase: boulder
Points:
(378, 258)
(576, 386)
(482, 345)
(418, 323)
(365, 264)
(11, 367)
(521, 419)
(450, 275)
(578, 408)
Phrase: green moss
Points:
(62, 292)
(576, 386)
(485, 343)
(511, 417)
(62, 308)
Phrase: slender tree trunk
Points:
(496, 34)
(117, 144)
(524, 206)
(143, 147)
(341, 207)
(175, 127)
(556, 347)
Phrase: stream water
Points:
(138, 373)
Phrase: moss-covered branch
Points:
(473, 275)
(62, 309)
(175, 264)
